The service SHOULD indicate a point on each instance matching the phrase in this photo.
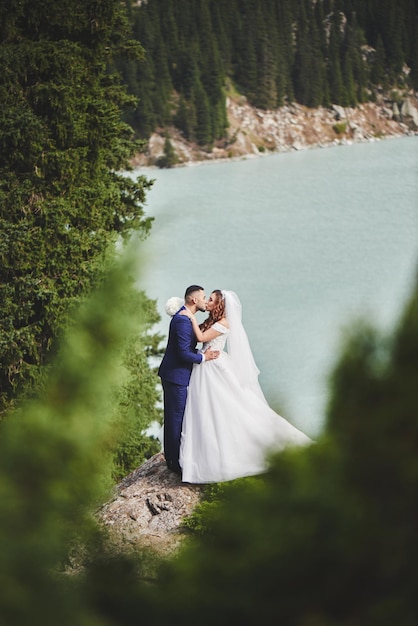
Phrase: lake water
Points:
(310, 241)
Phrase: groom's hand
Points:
(211, 354)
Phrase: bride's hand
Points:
(187, 314)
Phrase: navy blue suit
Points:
(175, 371)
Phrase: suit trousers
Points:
(175, 397)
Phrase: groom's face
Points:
(200, 300)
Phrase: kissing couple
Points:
(218, 425)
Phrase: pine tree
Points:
(308, 65)
(335, 78)
(285, 21)
(378, 71)
(169, 158)
(182, 118)
(413, 59)
(393, 39)
(410, 20)
(350, 98)
(203, 130)
(245, 59)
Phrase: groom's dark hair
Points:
(191, 290)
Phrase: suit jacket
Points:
(181, 353)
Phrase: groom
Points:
(175, 371)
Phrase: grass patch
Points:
(340, 128)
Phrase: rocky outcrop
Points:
(254, 131)
(409, 112)
(148, 508)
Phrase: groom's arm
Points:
(185, 336)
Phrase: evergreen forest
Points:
(273, 52)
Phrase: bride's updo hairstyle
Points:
(217, 313)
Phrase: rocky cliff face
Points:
(293, 127)
(148, 508)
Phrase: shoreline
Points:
(255, 133)
(264, 155)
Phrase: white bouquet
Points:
(173, 305)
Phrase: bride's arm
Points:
(199, 335)
(208, 335)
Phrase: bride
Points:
(228, 427)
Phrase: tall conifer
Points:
(335, 78)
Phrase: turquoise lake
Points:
(310, 241)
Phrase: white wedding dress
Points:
(228, 427)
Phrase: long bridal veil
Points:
(238, 346)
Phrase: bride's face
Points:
(211, 303)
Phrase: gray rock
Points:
(339, 112)
(148, 508)
(408, 110)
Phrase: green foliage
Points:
(207, 511)
(62, 144)
(199, 520)
(138, 397)
(56, 463)
(340, 128)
